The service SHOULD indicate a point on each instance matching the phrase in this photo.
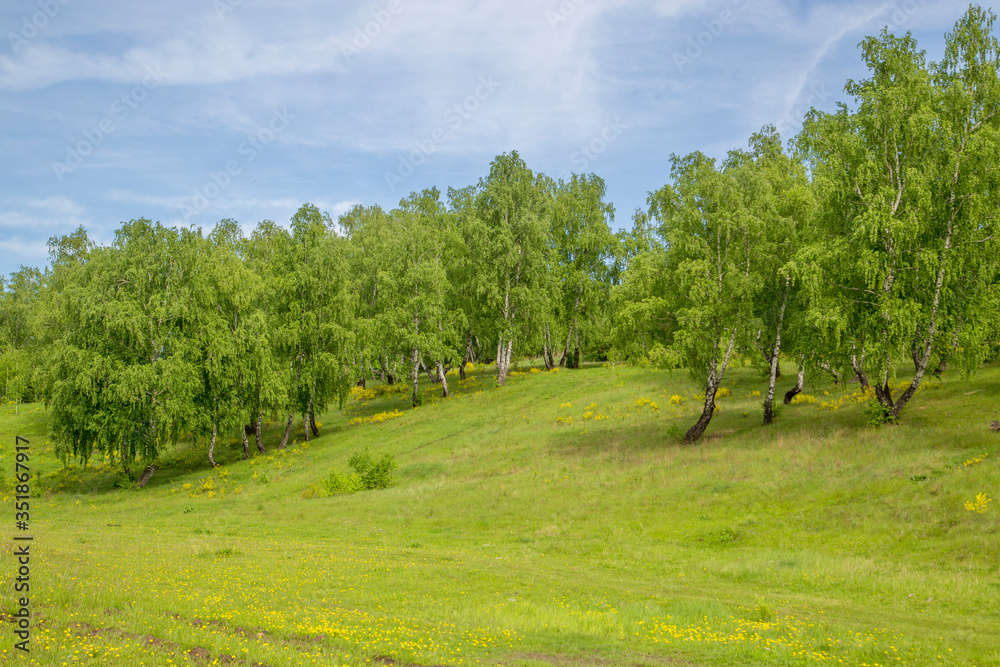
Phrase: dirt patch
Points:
(392, 662)
(563, 660)
(200, 654)
(301, 642)
(252, 633)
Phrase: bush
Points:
(124, 481)
(373, 473)
(369, 473)
(877, 414)
(338, 484)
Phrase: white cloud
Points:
(565, 68)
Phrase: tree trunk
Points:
(246, 443)
(769, 399)
(715, 376)
(443, 379)
(768, 356)
(794, 391)
(576, 349)
(146, 476)
(860, 374)
(431, 374)
(547, 354)
(825, 365)
(288, 429)
(466, 357)
(708, 410)
(257, 426)
(312, 423)
(211, 445)
(415, 375)
(503, 361)
(774, 359)
(305, 417)
(565, 354)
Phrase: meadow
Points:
(554, 521)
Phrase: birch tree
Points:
(509, 245)
(318, 309)
(910, 181)
(775, 190)
(120, 377)
(369, 232)
(583, 249)
(18, 345)
(712, 237)
(420, 286)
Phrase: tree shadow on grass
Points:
(633, 441)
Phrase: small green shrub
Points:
(369, 473)
(877, 414)
(373, 473)
(338, 484)
(724, 536)
(124, 481)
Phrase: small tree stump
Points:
(995, 426)
(146, 476)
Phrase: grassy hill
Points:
(553, 521)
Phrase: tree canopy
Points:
(868, 242)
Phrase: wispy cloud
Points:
(566, 69)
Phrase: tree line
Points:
(869, 238)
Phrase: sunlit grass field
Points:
(552, 521)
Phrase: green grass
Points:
(516, 537)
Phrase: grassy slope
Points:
(516, 538)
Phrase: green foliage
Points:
(877, 414)
(508, 241)
(18, 342)
(909, 241)
(369, 473)
(583, 248)
(119, 372)
(875, 239)
(375, 473)
(124, 481)
(342, 483)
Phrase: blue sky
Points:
(189, 112)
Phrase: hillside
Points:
(551, 521)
